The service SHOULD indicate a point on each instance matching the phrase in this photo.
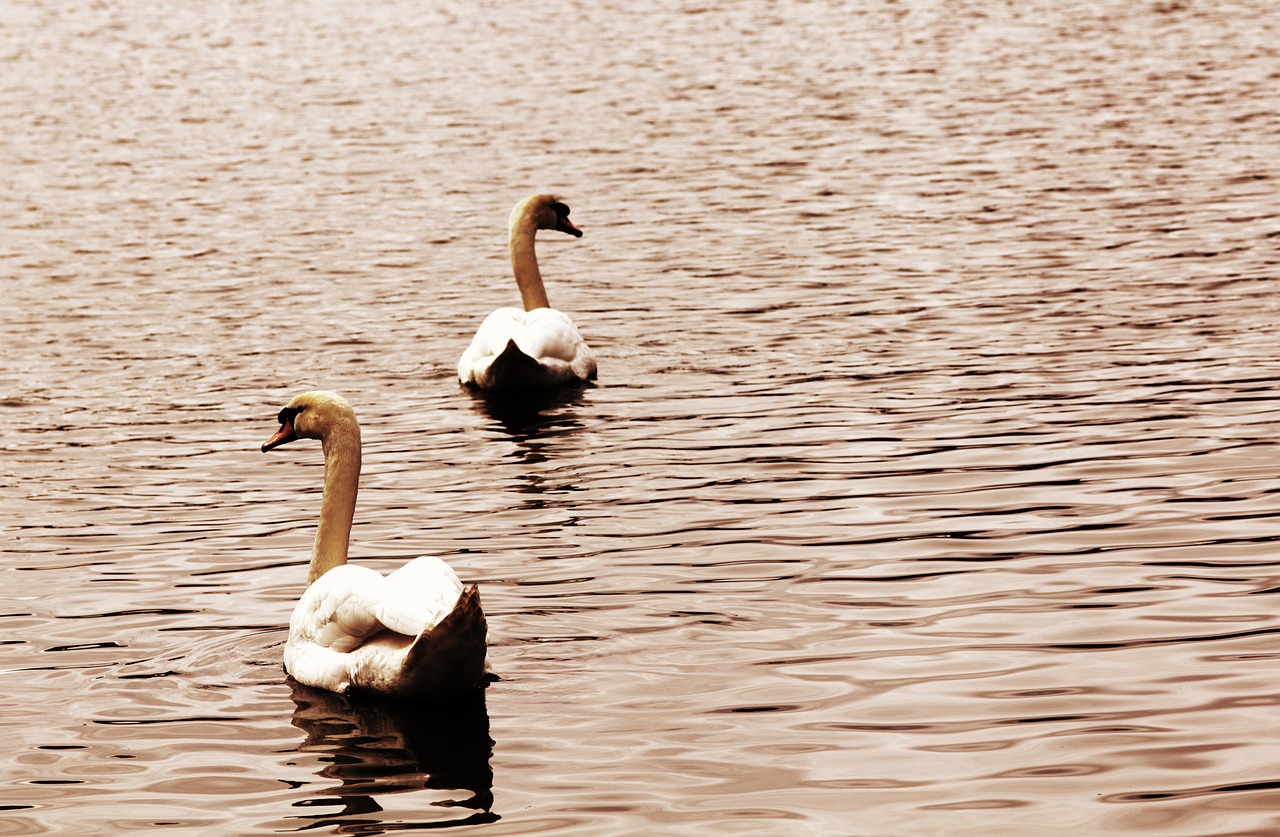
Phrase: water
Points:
(928, 487)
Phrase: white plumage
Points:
(515, 349)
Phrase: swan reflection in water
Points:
(373, 746)
(538, 425)
(524, 415)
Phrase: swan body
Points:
(516, 349)
(415, 633)
(536, 347)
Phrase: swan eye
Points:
(288, 414)
(560, 209)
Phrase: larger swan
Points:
(415, 633)
(537, 347)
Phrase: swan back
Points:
(521, 350)
(415, 633)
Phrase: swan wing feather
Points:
(332, 618)
(548, 334)
(338, 611)
(418, 595)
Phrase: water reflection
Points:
(542, 428)
(524, 415)
(372, 746)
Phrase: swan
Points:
(415, 633)
(538, 347)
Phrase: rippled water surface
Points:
(929, 485)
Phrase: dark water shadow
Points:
(525, 415)
(373, 746)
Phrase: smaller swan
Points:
(538, 347)
(415, 633)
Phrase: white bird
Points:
(538, 347)
(415, 633)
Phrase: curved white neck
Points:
(338, 506)
(524, 261)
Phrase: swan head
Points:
(547, 212)
(312, 415)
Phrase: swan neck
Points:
(524, 262)
(338, 506)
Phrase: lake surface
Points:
(929, 485)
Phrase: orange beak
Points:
(283, 435)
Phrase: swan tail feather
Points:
(449, 659)
(512, 368)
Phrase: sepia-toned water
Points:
(931, 484)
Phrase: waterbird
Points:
(415, 633)
(536, 347)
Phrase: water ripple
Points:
(928, 469)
